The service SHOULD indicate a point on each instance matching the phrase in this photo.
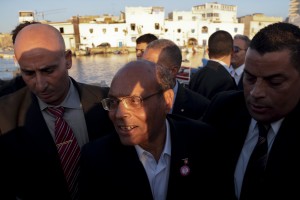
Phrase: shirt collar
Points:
(240, 69)
(274, 125)
(167, 146)
(72, 99)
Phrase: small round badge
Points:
(184, 170)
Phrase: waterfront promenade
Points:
(100, 68)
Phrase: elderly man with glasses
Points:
(240, 46)
(152, 154)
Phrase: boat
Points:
(81, 52)
(184, 75)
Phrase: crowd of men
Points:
(231, 134)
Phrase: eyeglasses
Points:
(130, 102)
(237, 49)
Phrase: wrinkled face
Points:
(46, 73)
(140, 48)
(271, 85)
(138, 125)
(239, 53)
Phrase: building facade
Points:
(185, 28)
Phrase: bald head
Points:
(164, 52)
(144, 74)
(38, 36)
(140, 72)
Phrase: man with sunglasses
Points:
(151, 155)
(240, 46)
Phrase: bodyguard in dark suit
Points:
(215, 76)
(271, 98)
(187, 103)
(151, 155)
(212, 79)
(30, 164)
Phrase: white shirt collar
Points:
(167, 147)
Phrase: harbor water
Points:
(100, 68)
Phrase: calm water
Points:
(100, 69)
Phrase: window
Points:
(156, 26)
(91, 30)
(132, 27)
(61, 30)
(178, 30)
(179, 18)
(204, 29)
(104, 30)
(116, 30)
(235, 30)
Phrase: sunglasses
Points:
(237, 49)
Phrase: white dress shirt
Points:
(158, 173)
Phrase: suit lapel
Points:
(36, 128)
(178, 154)
(180, 100)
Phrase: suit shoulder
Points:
(100, 146)
(95, 90)
(196, 96)
(187, 124)
(229, 96)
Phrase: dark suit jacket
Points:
(189, 103)
(211, 79)
(12, 85)
(228, 113)
(110, 170)
(30, 165)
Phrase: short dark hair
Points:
(277, 37)
(146, 38)
(220, 43)
(19, 27)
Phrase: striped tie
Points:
(68, 150)
(254, 176)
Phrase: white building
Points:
(201, 22)
(294, 12)
(255, 22)
(141, 20)
(182, 27)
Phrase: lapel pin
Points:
(185, 170)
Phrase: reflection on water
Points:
(96, 69)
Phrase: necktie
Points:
(254, 175)
(68, 150)
(232, 72)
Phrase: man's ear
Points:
(169, 97)
(68, 57)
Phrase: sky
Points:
(62, 10)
